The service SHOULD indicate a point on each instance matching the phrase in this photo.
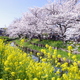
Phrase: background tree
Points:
(56, 17)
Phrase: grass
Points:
(52, 43)
(79, 49)
(4, 37)
(58, 44)
(63, 53)
(27, 44)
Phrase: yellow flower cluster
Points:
(17, 65)
(47, 46)
(69, 48)
(1, 45)
(68, 70)
(22, 41)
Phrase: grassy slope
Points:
(58, 44)
(52, 43)
(62, 53)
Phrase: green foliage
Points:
(58, 44)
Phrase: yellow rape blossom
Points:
(69, 54)
(44, 76)
(53, 56)
(44, 59)
(20, 65)
(1, 79)
(42, 50)
(38, 54)
(65, 76)
(58, 78)
(18, 79)
(13, 73)
(47, 46)
(59, 56)
(55, 51)
(69, 48)
(64, 59)
(74, 57)
(53, 78)
(6, 63)
(22, 40)
(78, 62)
(50, 48)
(58, 71)
(6, 69)
(35, 79)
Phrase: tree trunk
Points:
(39, 36)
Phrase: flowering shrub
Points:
(17, 65)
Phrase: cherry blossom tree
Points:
(13, 29)
(56, 17)
(63, 15)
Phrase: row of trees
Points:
(59, 17)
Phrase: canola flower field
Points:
(18, 65)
